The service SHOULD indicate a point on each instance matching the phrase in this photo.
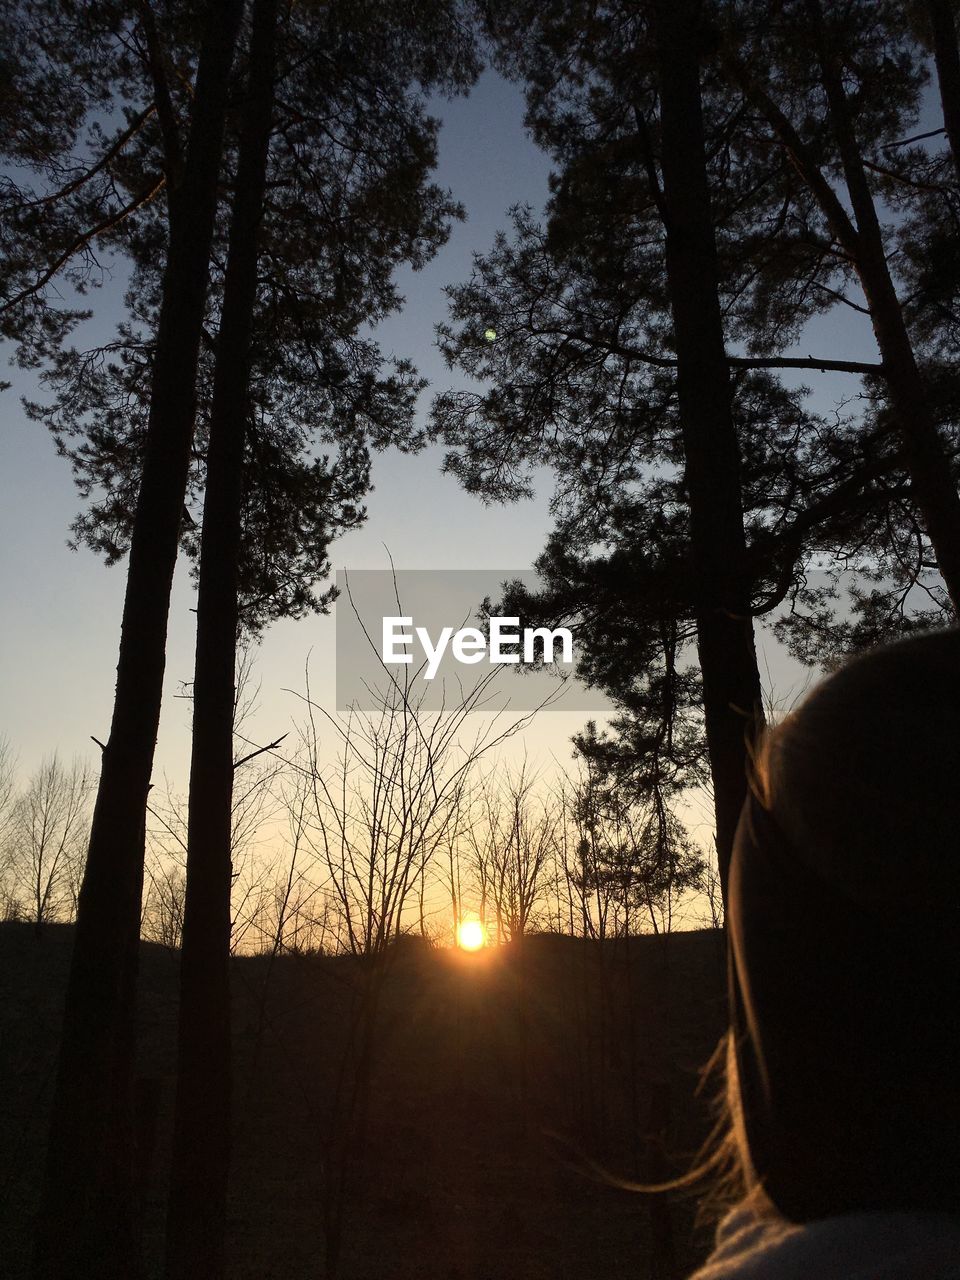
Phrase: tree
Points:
(377, 819)
(257, 803)
(711, 450)
(198, 1195)
(634, 858)
(943, 38)
(73, 113)
(859, 55)
(8, 783)
(583, 373)
(46, 833)
(197, 1208)
(338, 146)
(393, 801)
(164, 892)
(87, 1218)
(568, 355)
(515, 838)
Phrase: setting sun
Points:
(471, 935)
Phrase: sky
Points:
(58, 641)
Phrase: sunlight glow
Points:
(471, 935)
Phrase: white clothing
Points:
(854, 1246)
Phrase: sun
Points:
(471, 935)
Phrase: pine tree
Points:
(87, 1221)
(319, 200)
(584, 371)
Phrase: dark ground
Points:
(496, 1078)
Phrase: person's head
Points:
(844, 922)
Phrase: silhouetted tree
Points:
(583, 373)
(377, 819)
(941, 16)
(711, 450)
(516, 835)
(404, 219)
(634, 855)
(868, 74)
(345, 201)
(74, 111)
(87, 1219)
(46, 835)
(198, 1193)
(572, 386)
(8, 783)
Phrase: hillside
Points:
(496, 1079)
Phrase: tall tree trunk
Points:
(933, 486)
(87, 1223)
(201, 1151)
(731, 681)
(947, 58)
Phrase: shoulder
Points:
(856, 1246)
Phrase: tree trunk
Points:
(87, 1222)
(947, 59)
(201, 1151)
(933, 487)
(731, 681)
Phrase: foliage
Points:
(349, 199)
(581, 375)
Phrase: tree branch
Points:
(808, 170)
(135, 126)
(81, 242)
(161, 91)
(825, 364)
(271, 746)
